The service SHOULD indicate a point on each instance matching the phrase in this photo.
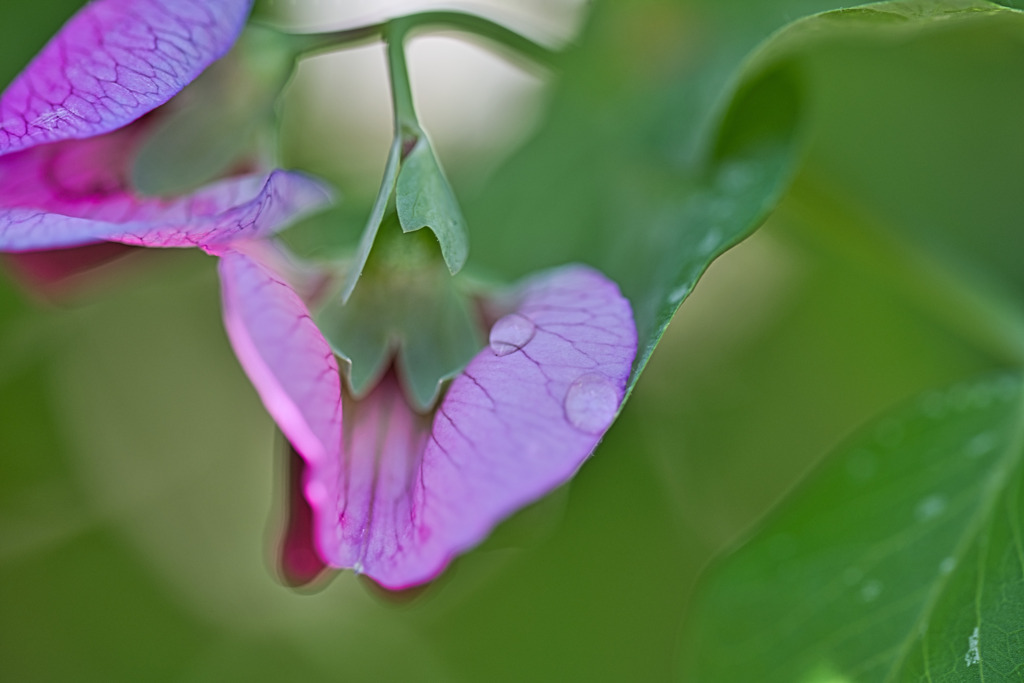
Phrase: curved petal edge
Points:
(281, 350)
(112, 62)
(236, 208)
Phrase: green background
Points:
(140, 477)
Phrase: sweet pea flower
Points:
(73, 120)
(393, 487)
(395, 493)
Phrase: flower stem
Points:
(406, 121)
(396, 29)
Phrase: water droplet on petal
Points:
(591, 403)
(511, 333)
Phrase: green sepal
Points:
(425, 199)
(380, 205)
(406, 309)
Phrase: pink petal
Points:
(236, 208)
(77, 192)
(298, 558)
(367, 504)
(284, 354)
(517, 423)
(111, 63)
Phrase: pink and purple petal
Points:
(298, 558)
(517, 423)
(77, 192)
(287, 359)
(370, 504)
(112, 62)
(236, 208)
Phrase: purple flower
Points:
(72, 121)
(396, 494)
(387, 491)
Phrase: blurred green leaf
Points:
(424, 199)
(693, 154)
(887, 580)
(25, 29)
(219, 121)
(83, 607)
(899, 560)
(921, 129)
(640, 170)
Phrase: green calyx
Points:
(424, 199)
(407, 309)
(413, 177)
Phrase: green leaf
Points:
(881, 22)
(901, 131)
(424, 199)
(646, 173)
(25, 28)
(653, 163)
(901, 559)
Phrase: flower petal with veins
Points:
(514, 425)
(235, 208)
(76, 192)
(70, 128)
(401, 493)
(284, 354)
(112, 62)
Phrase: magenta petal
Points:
(111, 63)
(237, 208)
(298, 558)
(368, 508)
(517, 423)
(284, 354)
(76, 192)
